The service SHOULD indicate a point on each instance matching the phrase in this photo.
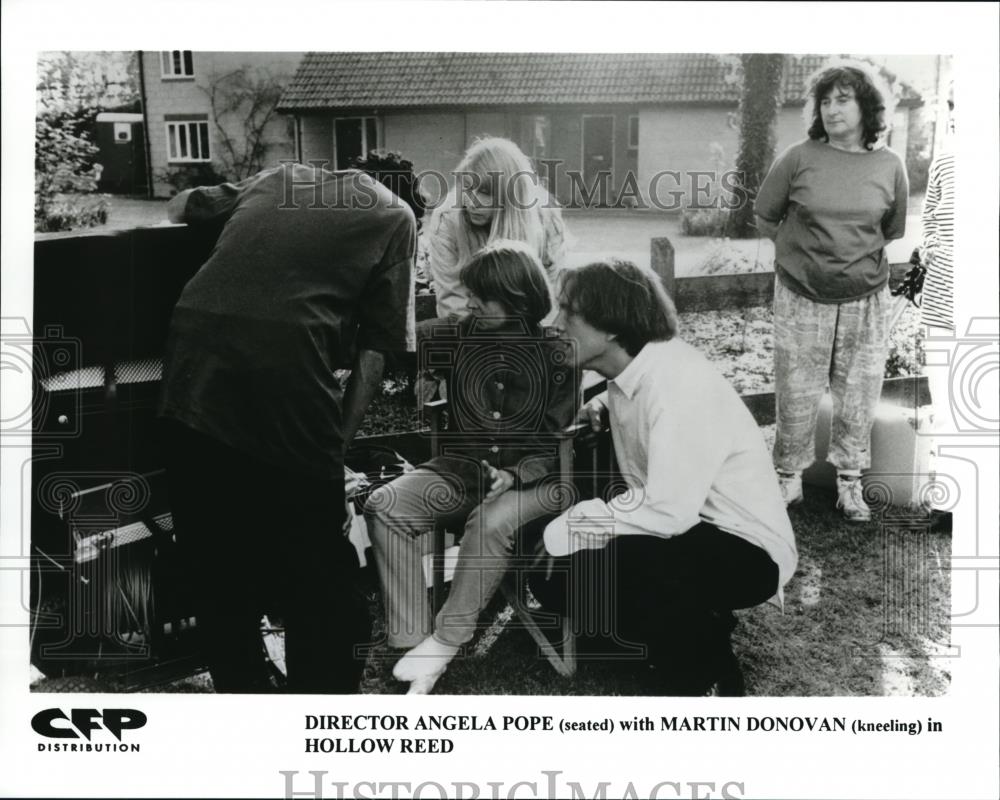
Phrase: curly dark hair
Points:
(396, 174)
(870, 101)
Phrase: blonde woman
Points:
(497, 195)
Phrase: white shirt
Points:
(689, 450)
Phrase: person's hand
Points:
(591, 413)
(500, 481)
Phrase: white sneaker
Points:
(790, 484)
(850, 498)
(425, 662)
(424, 685)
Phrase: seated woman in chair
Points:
(509, 385)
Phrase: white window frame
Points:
(167, 65)
(633, 119)
(365, 144)
(174, 153)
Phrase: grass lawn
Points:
(843, 630)
(866, 614)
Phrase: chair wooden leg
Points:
(564, 663)
(569, 645)
(437, 569)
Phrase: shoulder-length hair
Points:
(510, 273)
(498, 166)
(870, 90)
(622, 298)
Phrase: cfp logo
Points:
(54, 724)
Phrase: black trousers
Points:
(255, 538)
(664, 601)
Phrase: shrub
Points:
(191, 176)
(905, 345)
(918, 149)
(704, 221)
(918, 167)
(728, 259)
(63, 167)
(71, 89)
(71, 213)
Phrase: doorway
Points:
(599, 155)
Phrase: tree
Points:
(760, 101)
(243, 105)
(72, 88)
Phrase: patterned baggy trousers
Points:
(840, 345)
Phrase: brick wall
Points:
(184, 96)
(433, 141)
(678, 138)
(681, 138)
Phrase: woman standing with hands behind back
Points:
(831, 203)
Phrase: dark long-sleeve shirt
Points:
(310, 264)
(508, 391)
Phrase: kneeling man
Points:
(702, 528)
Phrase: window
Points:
(353, 137)
(535, 133)
(177, 64)
(633, 132)
(187, 141)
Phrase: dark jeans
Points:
(665, 601)
(256, 538)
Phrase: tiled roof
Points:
(427, 80)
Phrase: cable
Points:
(37, 611)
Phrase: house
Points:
(212, 115)
(121, 144)
(603, 125)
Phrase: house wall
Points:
(433, 141)
(436, 141)
(488, 123)
(688, 140)
(316, 132)
(682, 139)
(189, 96)
(565, 179)
(677, 143)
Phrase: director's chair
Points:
(586, 469)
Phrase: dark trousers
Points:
(256, 538)
(666, 601)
